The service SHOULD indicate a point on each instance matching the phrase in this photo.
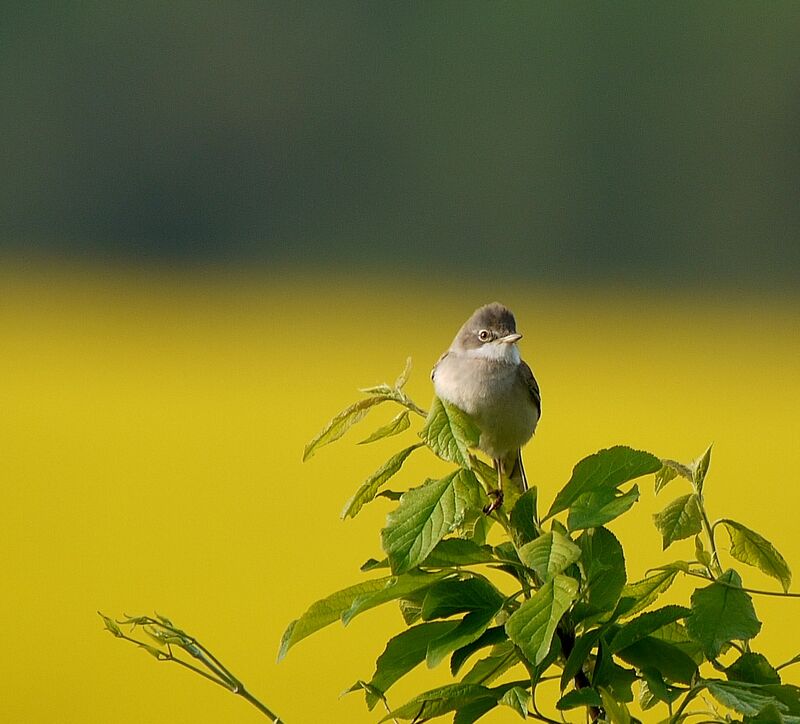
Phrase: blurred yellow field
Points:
(152, 431)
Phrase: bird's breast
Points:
(494, 396)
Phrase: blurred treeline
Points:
(627, 140)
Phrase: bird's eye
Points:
(484, 335)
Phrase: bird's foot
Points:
(497, 501)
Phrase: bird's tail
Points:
(515, 470)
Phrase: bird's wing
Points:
(531, 384)
(438, 361)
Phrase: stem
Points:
(790, 662)
(693, 692)
(208, 659)
(387, 707)
(247, 696)
(407, 402)
(187, 665)
(501, 517)
(513, 597)
(567, 639)
(756, 591)
(709, 529)
(219, 675)
(536, 713)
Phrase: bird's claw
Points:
(497, 501)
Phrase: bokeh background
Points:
(218, 220)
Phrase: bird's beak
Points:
(510, 338)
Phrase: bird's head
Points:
(490, 333)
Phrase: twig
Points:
(163, 630)
(756, 591)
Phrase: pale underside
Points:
(488, 384)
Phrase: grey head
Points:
(490, 326)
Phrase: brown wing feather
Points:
(531, 384)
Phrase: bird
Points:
(483, 375)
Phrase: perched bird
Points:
(483, 375)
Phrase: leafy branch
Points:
(513, 598)
(166, 640)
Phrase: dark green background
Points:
(657, 142)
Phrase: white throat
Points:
(496, 352)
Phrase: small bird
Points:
(483, 375)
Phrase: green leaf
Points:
(517, 699)
(453, 596)
(395, 426)
(340, 424)
(523, 518)
(490, 637)
(591, 510)
(680, 519)
(373, 483)
(614, 678)
(458, 552)
(486, 473)
(473, 711)
(535, 673)
(502, 658)
(606, 469)
(647, 699)
(664, 476)
(152, 650)
(395, 587)
(577, 698)
(533, 624)
(667, 658)
(657, 687)
(642, 626)
(411, 607)
(506, 553)
(770, 714)
(616, 711)
(670, 470)
(699, 470)
(549, 554)
(111, 625)
(439, 701)
(326, 611)
(450, 432)
(678, 636)
(638, 596)
(476, 596)
(753, 549)
(701, 555)
(425, 515)
(787, 694)
(753, 668)
(470, 713)
(402, 654)
(744, 698)
(372, 693)
(603, 564)
(373, 564)
(722, 612)
(685, 471)
(476, 526)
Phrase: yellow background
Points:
(152, 427)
